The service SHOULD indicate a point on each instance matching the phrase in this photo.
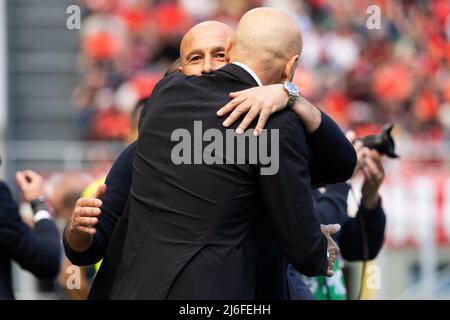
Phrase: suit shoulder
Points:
(169, 80)
(180, 83)
(287, 122)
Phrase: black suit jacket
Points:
(196, 231)
(37, 250)
(333, 161)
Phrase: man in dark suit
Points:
(195, 230)
(202, 52)
(37, 249)
(360, 238)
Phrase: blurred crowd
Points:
(364, 78)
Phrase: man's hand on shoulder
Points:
(262, 102)
(258, 102)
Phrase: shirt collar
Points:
(250, 71)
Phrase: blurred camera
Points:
(382, 142)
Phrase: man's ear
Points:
(228, 46)
(289, 70)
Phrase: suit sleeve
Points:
(333, 156)
(331, 205)
(351, 239)
(156, 90)
(37, 250)
(289, 203)
(118, 183)
(332, 208)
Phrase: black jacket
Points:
(195, 231)
(332, 208)
(334, 160)
(36, 250)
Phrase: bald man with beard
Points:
(202, 50)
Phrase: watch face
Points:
(292, 88)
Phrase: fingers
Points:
(361, 153)
(230, 106)
(31, 175)
(89, 202)
(258, 102)
(331, 260)
(334, 228)
(358, 145)
(330, 271)
(248, 119)
(330, 229)
(28, 178)
(333, 252)
(263, 117)
(236, 94)
(20, 179)
(100, 192)
(332, 247)
(86, 222)
(372, 172)
(376, 158)
(86, 230)
(236, 114)
(87, 212)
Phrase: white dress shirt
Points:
(252, 73)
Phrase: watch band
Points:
(293, 94)
(291, 101)
(38, 204)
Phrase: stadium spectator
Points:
(38, 249)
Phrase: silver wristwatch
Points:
(293, 93)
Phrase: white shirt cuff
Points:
(42, 214)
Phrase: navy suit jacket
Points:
(332, 208)
(36, 250)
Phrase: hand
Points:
(81, 226)
(359, 148)
(258, 101)
(30, 184)
(86, 211)
(373, 171)
(333, 249)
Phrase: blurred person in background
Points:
(67, 192)
(95, 189)
(202, 51)
(360, 238)
(35, 249)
